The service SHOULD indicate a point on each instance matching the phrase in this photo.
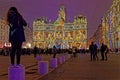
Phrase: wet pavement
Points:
(79, 68)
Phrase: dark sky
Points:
(94, 10)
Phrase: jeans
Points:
(15, 51)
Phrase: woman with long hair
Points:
(16, 34)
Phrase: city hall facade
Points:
(60, 33)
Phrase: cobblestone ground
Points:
(79, 68)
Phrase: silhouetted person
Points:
(92, 52)
(74, 51)
(35, 51)
(103, 49)
(16, 34)
(106, 51)
(54, 51)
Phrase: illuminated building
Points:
(106, 31)
(4, 33)
(97, 38)
(111, 24)
(60, 33)
(28, 37)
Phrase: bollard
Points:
(39, 58)
(60, 60)
(63, 58)
(16, 73)
(53, 63)
(43, 67)
(67, 56)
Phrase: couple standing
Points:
(93, 51)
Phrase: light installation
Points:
(60, 33)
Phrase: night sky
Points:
(94, 10)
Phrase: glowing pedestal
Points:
(39, 58)
(63, 58)
(53, 63)
(60, 60)
(67, 56)
(16, 73)
(43, 67)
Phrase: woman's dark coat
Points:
(16, 31)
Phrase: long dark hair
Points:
(12, 10)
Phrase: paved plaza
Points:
(79, 68)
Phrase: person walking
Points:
(16, 34)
